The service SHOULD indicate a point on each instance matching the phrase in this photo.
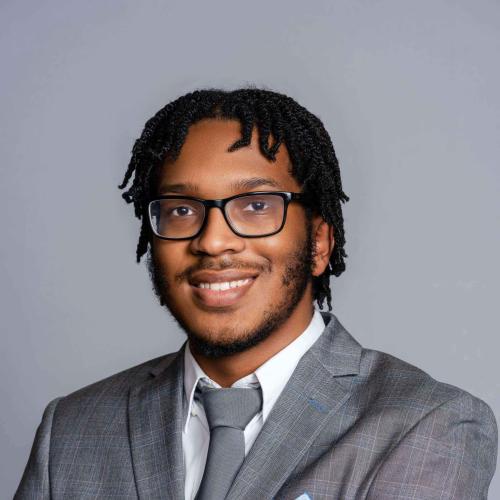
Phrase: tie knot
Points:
(231, 407)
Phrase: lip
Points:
(218, 299)
(208, 276)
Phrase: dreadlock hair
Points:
(276, 116)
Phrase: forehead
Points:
(205, 167)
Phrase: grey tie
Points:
(228, 413)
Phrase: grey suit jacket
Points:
(351, 423)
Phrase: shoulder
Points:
(382, 385)
(379, 380)
(393, 386)
(112, 391)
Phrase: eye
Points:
(181, 211)
(256, 206)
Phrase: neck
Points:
(228, 369)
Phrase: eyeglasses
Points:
(250, 215)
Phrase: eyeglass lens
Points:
(252, 215)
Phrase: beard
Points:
(294, 279)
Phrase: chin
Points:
(220, 337)
(224, 343)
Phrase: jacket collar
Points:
(156, 409)
(318, 388)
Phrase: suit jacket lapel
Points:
(311, 398)
(156, 410)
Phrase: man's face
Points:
(274, 271)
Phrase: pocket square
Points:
(304, 496)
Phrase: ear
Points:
(324, 242)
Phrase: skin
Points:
(206, 169)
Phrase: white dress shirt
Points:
(272, 377)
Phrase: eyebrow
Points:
(254, 182)
(238, 186)
(178, 188)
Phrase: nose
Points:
(217, 237)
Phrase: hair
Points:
(276, 116)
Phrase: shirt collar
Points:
(272, 375)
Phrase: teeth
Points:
(226, 285)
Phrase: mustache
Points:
(221, 265)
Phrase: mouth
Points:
(224, 285)
(221, 289)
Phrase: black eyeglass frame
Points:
(287, 196)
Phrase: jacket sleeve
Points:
(35, 483)
(449, 454)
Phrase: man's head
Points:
(211, 145)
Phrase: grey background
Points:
(409, 93)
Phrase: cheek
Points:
(276, 251)
(169, 256)
(292, 236)
(281, 248)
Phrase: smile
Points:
(222, 289)
(225, 285)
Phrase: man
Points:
(240, 199)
